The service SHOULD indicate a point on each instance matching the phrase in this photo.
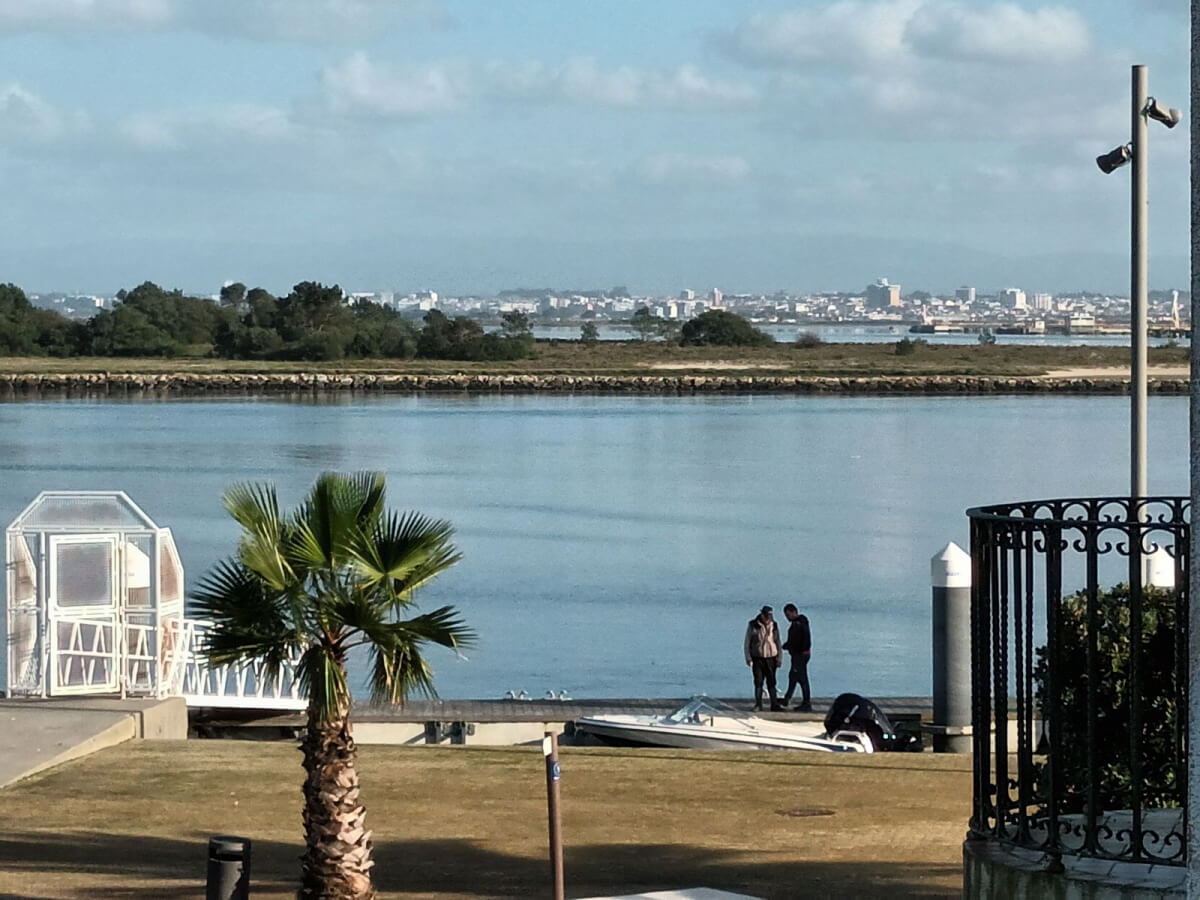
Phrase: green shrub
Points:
(1163, 784)
(808, 340)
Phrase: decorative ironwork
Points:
(1079, 676)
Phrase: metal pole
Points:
(1137, 293)
(553, 773)
(1193, 619)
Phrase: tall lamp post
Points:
(1136, 151)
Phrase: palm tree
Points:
(336, 574)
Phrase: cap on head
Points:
(766, 609)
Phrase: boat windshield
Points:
(703, 709)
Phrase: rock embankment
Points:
(308, 382)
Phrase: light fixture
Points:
(1112, 160)
(1168, 115)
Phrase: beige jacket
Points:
(761, 641)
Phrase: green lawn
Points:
(463, 822)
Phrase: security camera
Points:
(1168, 115)
(1114, 159)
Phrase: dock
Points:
(498, 722)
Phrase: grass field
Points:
(449, 823)
(636, 358)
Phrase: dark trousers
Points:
(798, 676)
(764, 670)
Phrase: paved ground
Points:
(38, 734)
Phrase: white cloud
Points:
(54, 15)
(314, 21)
(588, 82)
(232, 125)
(675, 168)
(1002, 32)
(27, 118)
(850, 32)
(359, 87)
(860, 34)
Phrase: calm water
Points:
(876, 334)
(617, 546)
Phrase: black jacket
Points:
(799, 639)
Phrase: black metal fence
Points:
(1079, 676)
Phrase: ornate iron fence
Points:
(1079, 677)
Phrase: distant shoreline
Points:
(192, 383)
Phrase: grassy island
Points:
(650, 358)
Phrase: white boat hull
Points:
(748, 734)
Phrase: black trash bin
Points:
(228, 868)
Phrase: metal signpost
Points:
(553, 774)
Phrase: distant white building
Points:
(687, 294)
(965, 294)
(1043, 302)
(883, 294)
(716, 297)
(1013, 298)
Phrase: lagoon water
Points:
(617, 546)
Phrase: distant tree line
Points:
(311, 323)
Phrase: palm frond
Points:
(250, 621)
(254, 506)
(404, 552)
(399, 672)
(256, 509)
(441, 626)
(332, 512)
(323, 678)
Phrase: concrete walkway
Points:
(38, 734)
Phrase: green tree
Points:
(668, 329)
(262, 308)
(589, 334)
(338, 573)
(1162, 763)
(723, 328)
(515, 323)
(310, 309)
(233, 295)
(644, 322)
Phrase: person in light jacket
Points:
(763, 656)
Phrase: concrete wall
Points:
(992, 871)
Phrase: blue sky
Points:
(473, 146)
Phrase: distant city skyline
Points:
(468, 147)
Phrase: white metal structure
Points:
(94, 605)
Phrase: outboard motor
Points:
(852, 712)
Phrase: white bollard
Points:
(1158, 569)
(950, 574)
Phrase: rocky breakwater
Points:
(121, 384)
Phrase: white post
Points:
(950, 574)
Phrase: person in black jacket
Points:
(799, 645)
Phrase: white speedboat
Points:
(707, 724)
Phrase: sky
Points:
(468, 146)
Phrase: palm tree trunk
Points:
(337, 856)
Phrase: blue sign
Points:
(555, 771)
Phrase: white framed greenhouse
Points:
(93, 600)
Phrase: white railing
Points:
(243, 686)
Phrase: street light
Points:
(1136, 151)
